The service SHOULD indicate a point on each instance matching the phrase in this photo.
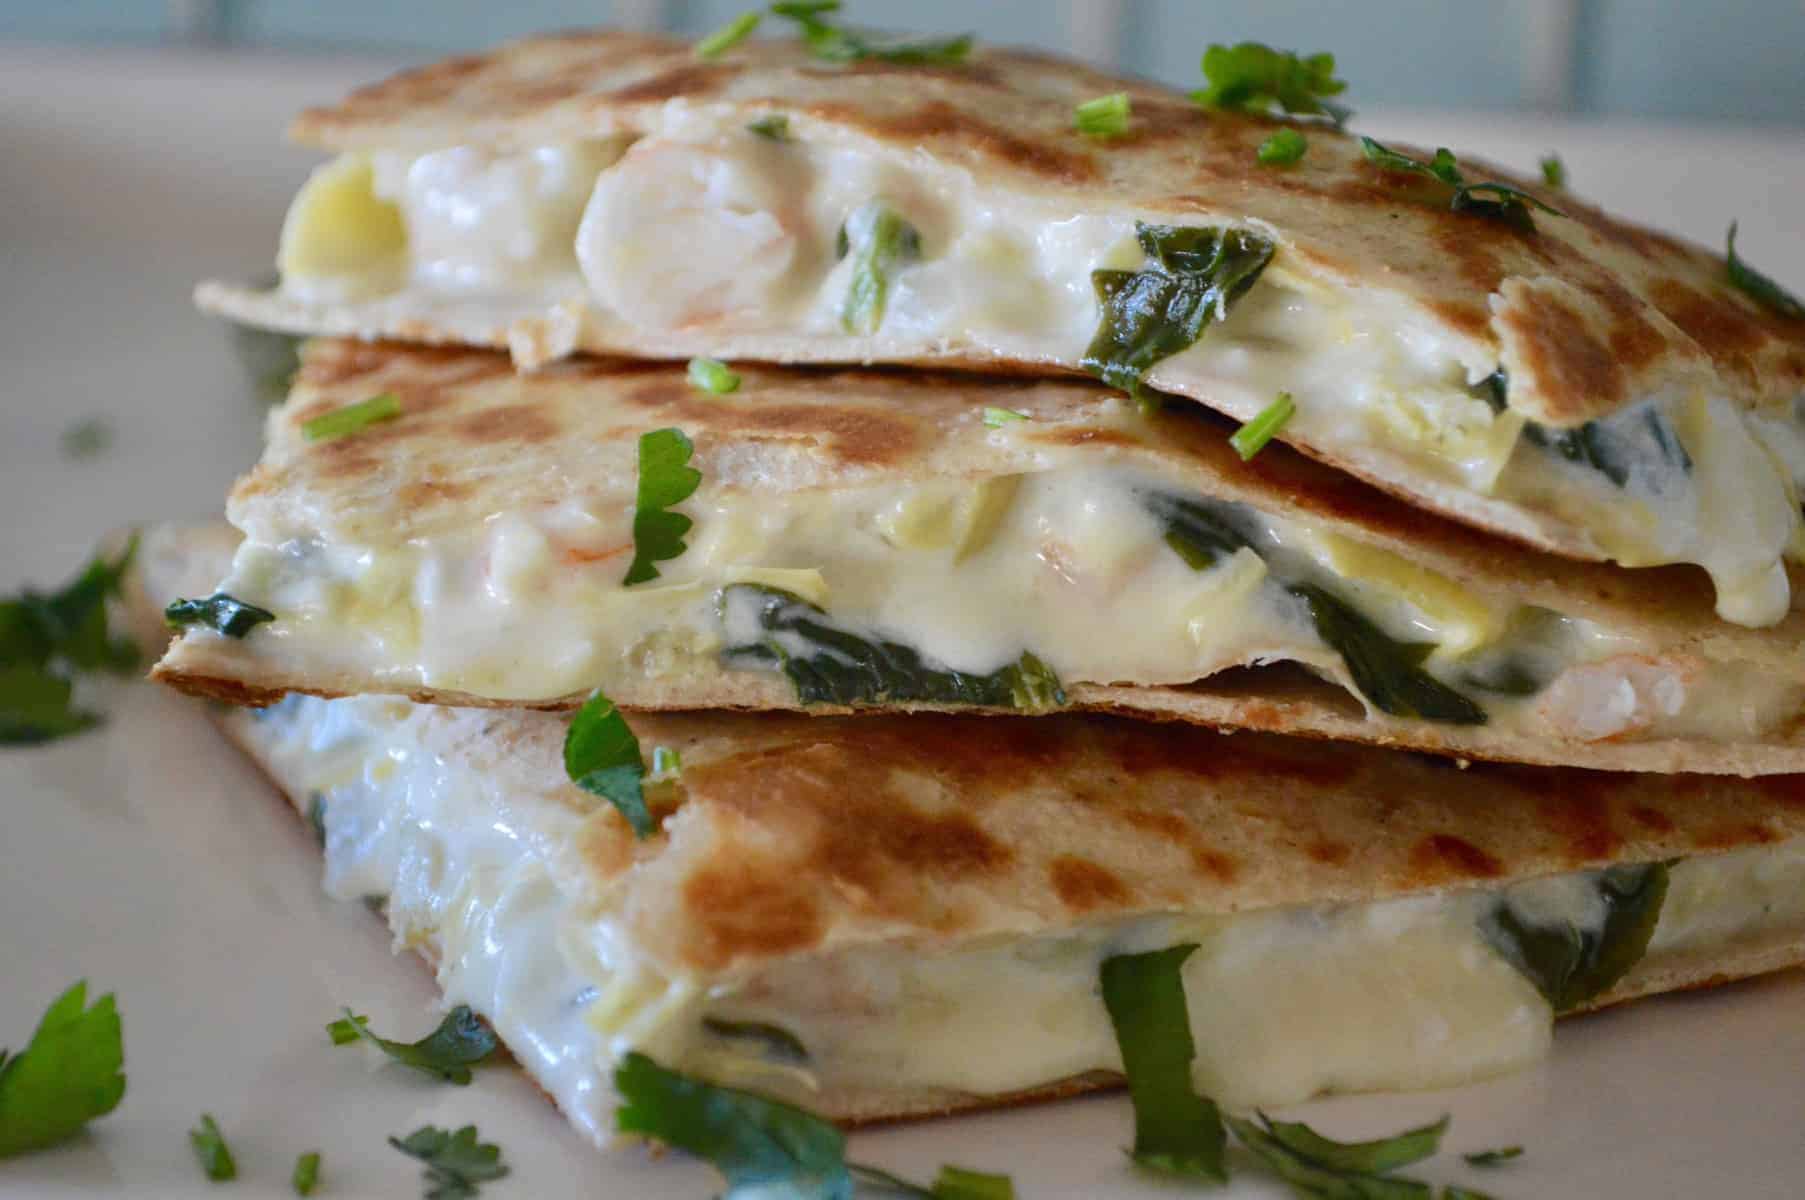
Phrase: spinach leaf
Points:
(832, 665)
(775, 1042)
(1387, 672)
(219, 612)
(1175, 1129)
(879, 241)
(1609, 448)
(1283, 1149)
(1198, 531)
(1570, 965)
(1195, 274)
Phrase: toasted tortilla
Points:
(1593, 319)
(471, 551)
(820, 876)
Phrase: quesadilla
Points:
(1566, 379)
(901, 541)
(886, 916)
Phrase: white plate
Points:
(151, 861)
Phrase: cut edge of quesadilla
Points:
(1586, 386)
(901, 540)
(887, 918)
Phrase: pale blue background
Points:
(1733, 60)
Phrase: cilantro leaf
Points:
(602, 757)
(1147, 316)
(713, 376)
(455, 1162)
(352, 418)
(996, 418)
(1105, 116)
(1334, 1180)
(35, 707)
(774, 1042)
(46, 639)
(1251, 77)
(1554, 172)
(86, 438)
(957, 1183)
(749, 1139)
(211, 1149)
(1369, 1158)
(1501, 201)
(1175, 1129)
(835, 43)
(729, 35)
(219, 612)
(775, 127)
(1252, 437)
(460, 1042)
(879, 241)
(1493, 1158)
(665, 478)
(1283, 148)
(1570, 965)
(307, 1173)
(1752, 282)
(68, 1074)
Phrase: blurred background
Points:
(1722, 60)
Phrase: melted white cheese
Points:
(1284, 1003)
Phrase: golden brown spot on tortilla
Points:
(508, 423)
(1559, 348)
(1083, 885)
(689, 80)
(1081, 435)
(746, 910)
(1215, 864)
(1786, 790)
(970, 72)
(1729, 837)
(941, 126)
(1652, 818)
(1329, 853)
(854, 435)
(1444, 856)
(426, 493)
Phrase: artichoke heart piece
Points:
(960, 515)
(1464, 622)
(339, 230)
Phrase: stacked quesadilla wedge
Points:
(888, 916)
(1561, 377)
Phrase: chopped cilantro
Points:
(836, 43)
(1501, 201)
(775, 127)
(70, 1073)
(996, 418)
(460, 1042)
(307, 1173)
(218, 612)
(211, 1149)
(665, 478)
(47, 639)
(774, 1042)
(602, 757)
(1175, 1129)
(1317, 1166)
(1283, 148)
(456, 1163)
(1105, 116)
(1554, 172)
(87, 438)
(1252, 437)
(729, 35)
(666, 763)
(712, 375)
(1251, 77)
(352, 418)
(1493, 1158)
(1752, 282)
(879, 241)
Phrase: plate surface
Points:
(150, 860)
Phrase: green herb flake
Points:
(1454, 1191)
(836, 43)
(460, 1042)
(1387, 672)
(666, 763)
(1105, 116)
(665, 478)
(1252, 437)
(713, 376)
(352, 418)
(307, 1173)
(1500, 201)
(996, 418)
(958, 1183)
(1175, 1129)
(602, 757)
(729, 35)
(880, 242)
(1570, 965)
(1554, 172)
(1748, 280)
(1194, 275)
(1317, 1166)
(775, 127)
(1493, 1158)
(456, 1163)
(1251, 77)
(316, 817)
(1283, 148)
(70, 1073)
(774, 1042)
(46, 640)
(87, 438)
(219, 612)
(211, 1150)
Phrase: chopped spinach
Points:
(774, 1042)
(880, 242)
(832, 665)
(1608, 447)
(1389, 673)
(1570, 965)
(1195, 274)
(1198, 531)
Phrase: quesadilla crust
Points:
(1649, 312)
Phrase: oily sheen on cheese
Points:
(705, 227)
(1285, 1002)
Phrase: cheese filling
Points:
(1285, 1003)
(700, 227)
(970, 575)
